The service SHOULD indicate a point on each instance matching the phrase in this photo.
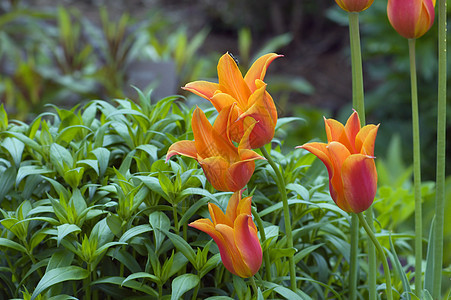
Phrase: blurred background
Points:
(76, 51)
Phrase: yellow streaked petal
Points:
(258, 69)
(203, 89)
(231, 80)
(185, 148)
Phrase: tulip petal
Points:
(221, 135)
(366, 139)
(226, 252)
(216, 171)
(404, 15)
(239, 266)
(258, 69)
(185, 148)
(232, 206)
(239, 174)
(218, 216)
(203, 89)
(359, 181)
(336, 132)
(354, 5)
(248, 243)
(352, 128)
(320, 151)
(231, 80)
(202, 131)
(222, 100)
(338, 154)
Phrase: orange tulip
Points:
(235, 234)
(349, 159)
(411, 18)
(354, 5)
(248, 93)
(228, 168)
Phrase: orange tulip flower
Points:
(235, 234)
(349, 159)
(227, 168)
(248, 93)
(411, 18)
(354, 5)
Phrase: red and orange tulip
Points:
(354, 5)
(349, 159)
(248, 93)
(411, 18)
(235, 234)
(227, 168)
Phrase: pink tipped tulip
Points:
(411, 18)
(349, 159)
(235, 234)
(354, 5)
(227, 167)
(248, 93)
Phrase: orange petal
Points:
(258, 69)
(320, 151)
(217, 215)
(225, 250)
(221, 134)
(231, 211)
(216, 171)
(352, 128)
(359, 177)
(222, 100)
(336, 132)
(239, 174)
(366, 139)
(185, 148)
(204, 89)
(248, 244)
(202, 131)
(239, 267)
(231, 80)
(338, 154)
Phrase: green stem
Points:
(176, 218)
(254, 286)
(356, 65)
(441, 151)
(379, 248)
(286, 214)
(372, 259)
(88, 283)
(358, 104)
(261, 229)
(354, 266)
(416, 168)
(196, 291)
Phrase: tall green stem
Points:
(286, 214)
(379, 248)
(416, 169)
(254, 286)
(261, 229)
(359, 105)
(441, 151)
(356, 66)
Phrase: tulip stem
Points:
(261, 229)
(358, 104)
(441, 152)
(354, 255)
(379, 248)
(416, 169)
(286, 214)
(254, 286)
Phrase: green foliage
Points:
(89, 208)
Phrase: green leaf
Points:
(64, 230)
(158, 220)
(119, 281)
(285, 292)
(58, 275)
(182, 246)
(103, 157)
(61, 258)
(61, 158)
(13, 245)
(7, 181)
(30, 170)
(429, 271)
(182, 284)
(141, 275)
(15, 149)
(134, 231)
(399, 270)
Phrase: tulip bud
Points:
(411, 18)
(354, 5)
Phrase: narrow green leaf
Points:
(429, 271)
(182, 284)
(13, 245)
(182, 246)
(141, 275)
(134, 231)
(15, 149)
(159, 220)
(58, 275)
(399, 270)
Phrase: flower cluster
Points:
(247, 116)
